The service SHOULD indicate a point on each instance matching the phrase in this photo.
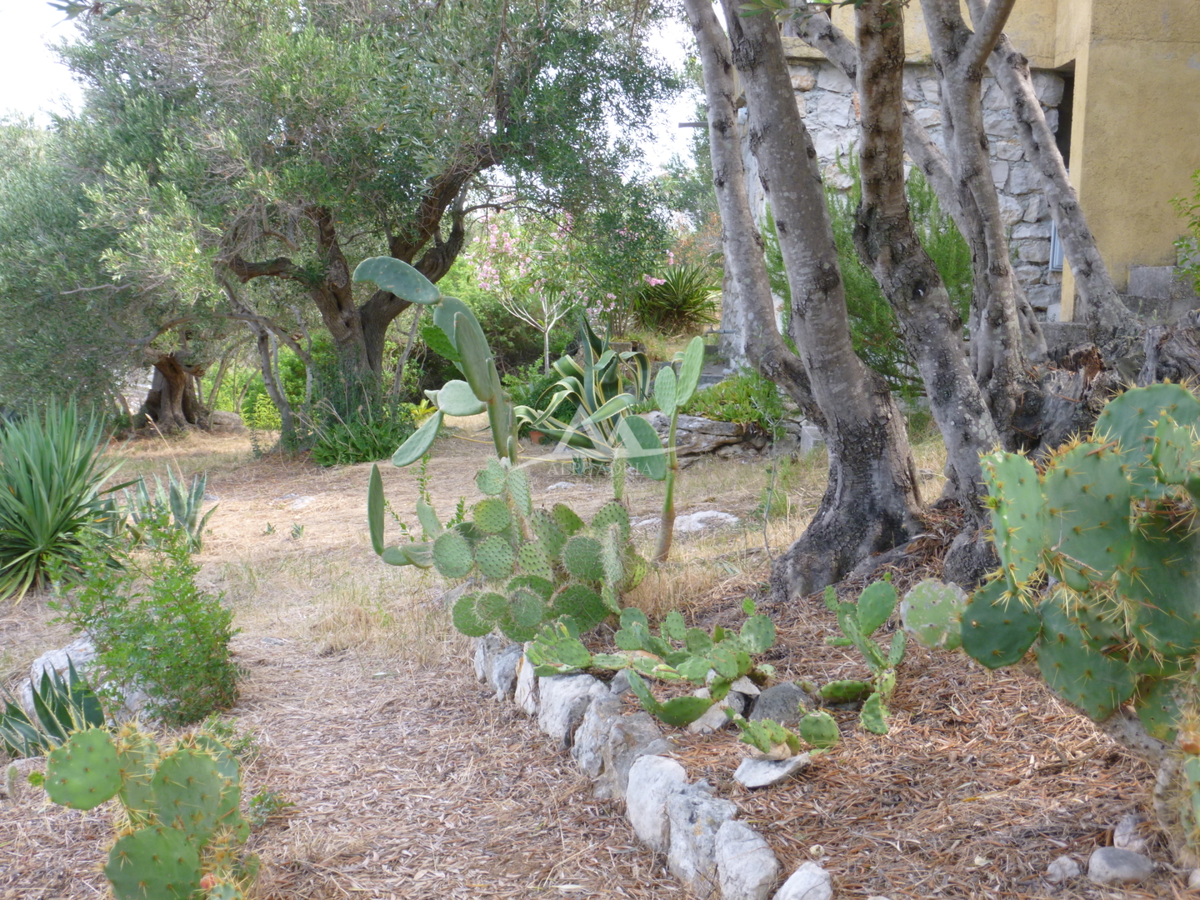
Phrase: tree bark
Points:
(171, 402)
(887, 240)
(871, 502)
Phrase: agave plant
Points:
(51, 494)
(175, 503)
(61, 707)
(683, 301)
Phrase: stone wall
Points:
(829, 104)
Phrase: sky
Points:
(33, 82)
(31, 78)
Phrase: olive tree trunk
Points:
(871, 503)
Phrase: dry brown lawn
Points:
(409, 781)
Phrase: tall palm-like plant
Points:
(51, 497)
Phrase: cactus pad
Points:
(1018, 518)
(542, 587)
(874, 715)
(612, 513)
(582, 604)
(490, 480)
(875, 606)
(932, 613)
(517, 485)
(1087, 513)
(1096, 683)
(1163, 581)
(612, 556)
(491, 607)
(997, 628)
(566, 519)
(819, 730)
(535, 561)
(83, 772)
(495, 558)
(491, 515)
(548, 532)
(1158, 708)
(153, 863)
(137, 756)
(466, 619)
(1131, 418)
(846, 691)
(452, 555)
(527, 609)
(581, 556)
(188, 788)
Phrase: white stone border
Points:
(707, 849)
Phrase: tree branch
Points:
(988, 28)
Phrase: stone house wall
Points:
(829, 104)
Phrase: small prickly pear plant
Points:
(858, 622)
(1100, 566)
(676, 654)
(768, 737)
(182, 829)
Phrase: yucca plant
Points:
(51, 496)
(61, 707)
(683, 301)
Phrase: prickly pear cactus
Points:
(182, 825)
(932, 613)
(1101, 553)
(819, 730)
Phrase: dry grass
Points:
(410, 782)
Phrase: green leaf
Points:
(642, 447)
(680, 711)
(439, 342)
(689, 371)
(665, 391)
(398, 278)
(419, 442)
(375, 509)
(457, 399)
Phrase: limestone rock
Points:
(220, 420)
(563, 699)
(760, 773)
(651, 780)
(1126, 835)
(502, 678)
(695, 817)
(786, 703)
(1063, 868)
(598, 722)
(809, 882)
(525, 694)
(1112, 865)
(746, 867)
(486, 649)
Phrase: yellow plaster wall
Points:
(1136, 135)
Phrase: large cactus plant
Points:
(1100, 558)
(526, 565)
(181, 831)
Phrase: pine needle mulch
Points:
(409, 781)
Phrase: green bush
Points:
(682, 301)
(1189, 245)
(747, 398)
(154, 629)
(51, 501)
(372, 433)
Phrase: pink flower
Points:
(653, 281)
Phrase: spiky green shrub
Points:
(51, 494)
(61, 706)
(682, 301)
(1100, 574)
(181, 829)
(154, 629)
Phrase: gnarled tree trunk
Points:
(171, 402)
(871, 502)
